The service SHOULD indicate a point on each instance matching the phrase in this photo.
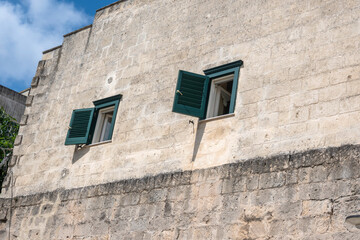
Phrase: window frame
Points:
(103, 104)
(215, 95)
(191, 105)
(92, 121)
(100, 124)
(218, 72)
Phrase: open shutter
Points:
(79, 128)
(191, 94)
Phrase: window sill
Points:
(99, 143)
(217, 118)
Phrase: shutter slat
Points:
(189, 85)
(194, 96)
(189, 103)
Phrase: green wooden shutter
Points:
(79, 128)
(191, 94)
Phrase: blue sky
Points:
(28, 27)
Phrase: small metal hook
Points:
(178, 91)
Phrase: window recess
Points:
(209, 95)
(93, 125)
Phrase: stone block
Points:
(272, 180)
(23, 120)
(3, 215)
(314, 208)
(163, 180)
(347, 169)
(40, 68)
(209, 189)
(324, 109)
(18, 140)
(47, 208)
(156, 195)
(29, 100)
(287, 194)
(6, 182)
(179, 193)
(130, 199)
(13, 161)
(240, 184)
(304, 175)
(227, 186)
(3, 234)
(35, 82)
(319, 174)
(258, 229)
(291, 177)
(252, 182)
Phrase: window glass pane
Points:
(106, 127)
(220, 96)
(225, 97)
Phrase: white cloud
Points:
(29, 27)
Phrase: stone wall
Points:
(305, 195)
(12, 102)
(299, 88)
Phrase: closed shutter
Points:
(79, 128)
(191, 94)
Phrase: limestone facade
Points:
(298, 89)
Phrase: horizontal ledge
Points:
(98, 143)
(79, 30)
(27, 89)
(112, 4)
(51, 49)
(217, 118)
(227, 66)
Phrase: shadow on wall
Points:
(199, 135)
(79, 152)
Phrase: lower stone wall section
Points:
(298, 196)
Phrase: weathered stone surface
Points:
(3, 214)
(23, 120)
(35, 82)
(29, 100)
(294, 93)
(12, 102)
(18, 140)
(165, 175)
(270, 204)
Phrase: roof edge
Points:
(51, 49)
(79, 30)
(112, 4)
(27, 89)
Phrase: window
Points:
(220, 96)
(209, 95)
(103, 125)
(92, 125)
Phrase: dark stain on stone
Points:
(167, 211)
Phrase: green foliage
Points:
(8, 131)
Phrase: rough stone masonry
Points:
(284, 165)
(299, 196)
